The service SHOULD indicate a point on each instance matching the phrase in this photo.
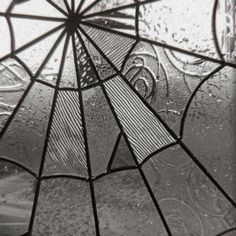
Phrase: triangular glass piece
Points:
(13, 82)
(69, 78)
(103, 68)
(34, 7)
(122, 155)
(119, 20)
(50, 71)
(66, 149)
(101, 127)
(87, 74)
(26, 30)
(34, 55)
(145, 132)
(24, 138)
(114, 46)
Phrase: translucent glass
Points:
(117, 117)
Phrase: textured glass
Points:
(16, 199)
(117, 117)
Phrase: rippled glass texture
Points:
(117, 117)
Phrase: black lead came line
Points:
(197, 162)
(37, 191)
(155, 202)
(118, 8)
(12, 161)
(178, 139)
(32, 78)
(89, 7)
(77, 11)
(210, 75)
(214, 31)
(159, 44)
(91, 184)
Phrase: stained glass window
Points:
(117, 117)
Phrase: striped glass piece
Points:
(103, 68)
(66, 149)
(122, 157)
(145, 132)
(114, 46)
(86, 72)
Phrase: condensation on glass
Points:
(117, 117)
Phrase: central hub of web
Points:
(72, 23)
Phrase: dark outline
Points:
(37, 191)
(93, 198)
(89, 24)
(137, 38)
(123, 132)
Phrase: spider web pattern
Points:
(77, 25)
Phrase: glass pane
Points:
(119, 115)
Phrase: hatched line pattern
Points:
(66, 149)
(114, 46)
(145, 132)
